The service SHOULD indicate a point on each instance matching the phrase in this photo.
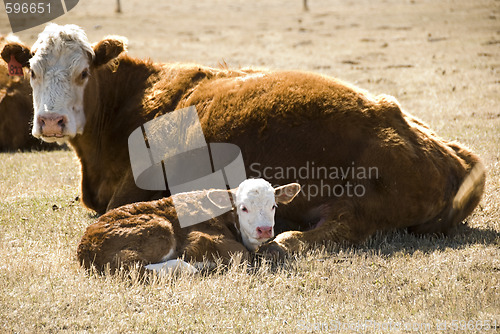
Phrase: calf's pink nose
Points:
(52, 124)
(264, 232)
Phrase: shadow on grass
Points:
(408, 243)
(388, 244)
(34, 145)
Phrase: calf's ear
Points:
(20, 52)
(107, 49)
(220, 198)
(285, 194)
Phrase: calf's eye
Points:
(32, 73)
(244, 209)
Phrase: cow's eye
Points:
(275, 206)
(32, 73)
(85, 74)
(244, 209)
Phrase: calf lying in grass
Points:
(149, 233)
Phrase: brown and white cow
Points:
(16, 110)
(150, 233)
(94, 96)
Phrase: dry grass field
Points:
(439, 58)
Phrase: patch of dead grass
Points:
(392, 277)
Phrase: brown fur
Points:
(143, 233)
(282, 119)
(16, 112)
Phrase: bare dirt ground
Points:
(439, 58)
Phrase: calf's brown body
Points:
(149, 232)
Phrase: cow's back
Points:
(294, 120)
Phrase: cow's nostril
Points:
(61, 122)
(264, 231)
(53, 124)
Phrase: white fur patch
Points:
(171, 253)
(255, 205)
(61, 55)
(170, 267)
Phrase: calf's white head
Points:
(256, 202)
(61, 62)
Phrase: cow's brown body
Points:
(282, 120)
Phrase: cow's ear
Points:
(285, 194)
(108, 49)
(3, 94)
(20, 52)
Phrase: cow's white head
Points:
(61, 62)
(256, 202)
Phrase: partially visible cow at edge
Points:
(94, 96)
(16, 111)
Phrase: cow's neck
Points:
(113, 98)
(118, 99)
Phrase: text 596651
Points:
(27, 8)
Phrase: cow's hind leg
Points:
(463, 203)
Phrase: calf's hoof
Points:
(272, 251)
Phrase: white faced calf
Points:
(256, 202)
(149, 233)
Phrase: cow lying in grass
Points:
(94, 96)
(148, 233)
